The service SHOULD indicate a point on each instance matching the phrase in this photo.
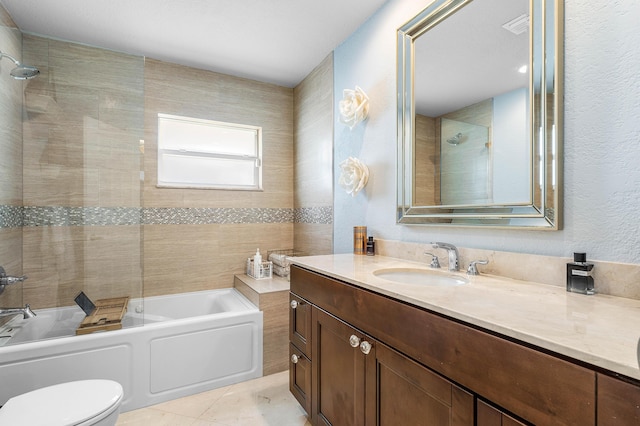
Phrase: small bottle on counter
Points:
(371, 247)
(579, 279)
(257, 263)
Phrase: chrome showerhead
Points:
(21, 72)
(24, 72)
(455, 140)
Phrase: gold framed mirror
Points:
(480, 114)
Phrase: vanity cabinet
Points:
(300, 350)
(360, 381)
(418, 357)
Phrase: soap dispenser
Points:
(257, 264)
(579, 279)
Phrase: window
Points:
(196, 153)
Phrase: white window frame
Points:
(179, 150)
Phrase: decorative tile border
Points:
(80, 216)
(316, 215)
(15, 216)
(10, 216)
(206, 216)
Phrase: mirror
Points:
(479, 114)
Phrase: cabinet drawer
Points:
(300, 377)
(538, 387)
(300, 323)
(618, 402)
(489, 416)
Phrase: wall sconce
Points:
(354, 107)
(354, 176)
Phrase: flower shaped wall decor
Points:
(354, 107)
(354, 176)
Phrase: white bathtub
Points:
(189, 343)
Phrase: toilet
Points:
(80, 403)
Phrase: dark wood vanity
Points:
(362, 358)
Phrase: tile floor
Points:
(264, 401)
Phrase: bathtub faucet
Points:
(26, 312)
(6, 280)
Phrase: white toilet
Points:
(80, 403)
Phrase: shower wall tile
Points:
(10, 161)
(197, 239)
(178, 90)
(182, 258)
(82, 125)
(11, 261)
(5, 19)
(84, 122)
(90, 148)
(10, 122)
(313, 160)
(64, 260)
(313, 238)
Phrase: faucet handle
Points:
(435, 262)
(473, 269)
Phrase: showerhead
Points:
(24, 72)
(21, 72)
(455, 140)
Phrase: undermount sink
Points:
(420, 277)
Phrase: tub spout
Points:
(26, 312)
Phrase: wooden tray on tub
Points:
(107, 315)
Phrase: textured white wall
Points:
(601, 144)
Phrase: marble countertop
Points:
(600, 330)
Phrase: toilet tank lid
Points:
(64, 404)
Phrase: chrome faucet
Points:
(26, 312)
(452, 251)
(6, 280)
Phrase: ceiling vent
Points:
(518, 25)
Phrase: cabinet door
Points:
(338, 372)
(618, 402)
(300, 377)
(490, 416)
(409, 394)
(300, 323)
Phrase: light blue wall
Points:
(602, 138)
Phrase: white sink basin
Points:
(420, 277)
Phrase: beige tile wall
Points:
(313, 134)
(10, 155)
(85, 118)
(83, 121)
(181, 258)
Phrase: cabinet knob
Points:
(354, 341)
(365, 347)
(295, 358)
(294, 304)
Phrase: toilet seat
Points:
(77, 403)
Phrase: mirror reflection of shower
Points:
(21, 71)
(465, 163)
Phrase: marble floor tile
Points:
(264, 401)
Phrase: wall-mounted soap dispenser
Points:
(579, 279)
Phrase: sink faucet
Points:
(26, 312)
(453, 254)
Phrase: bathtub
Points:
(169, 347)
